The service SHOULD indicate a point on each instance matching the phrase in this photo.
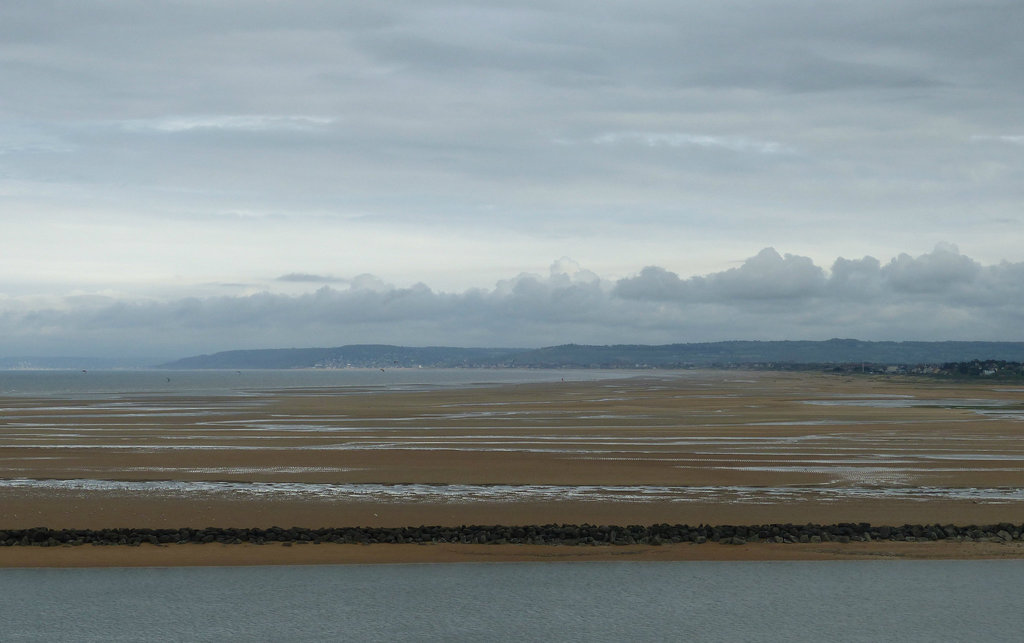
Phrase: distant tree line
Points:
(995, 368)
(975, 368)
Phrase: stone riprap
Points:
(585, 534)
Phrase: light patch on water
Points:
(241, 470)
(47, 435)
(464, 493)
(475, 404)
(890, 403)
(119, 408)
(1002, 415)
(723, 396)
(468, 415)
(143, 448)
(996, 456)
(873, 476)
(861, 395)
(810, 423)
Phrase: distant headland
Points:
(852, 355)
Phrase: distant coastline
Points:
(850, 355)
(953, 358)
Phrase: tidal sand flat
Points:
(691, 447)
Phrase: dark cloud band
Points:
(941, 295)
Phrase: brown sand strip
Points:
(334, 554)
(21, 509)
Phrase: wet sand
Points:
(331, 554)
(717, 448)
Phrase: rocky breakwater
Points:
(584, 534)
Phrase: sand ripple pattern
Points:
(677, 438)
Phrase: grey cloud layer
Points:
(673, 109)
(148, 146)
(941, 295)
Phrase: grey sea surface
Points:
(112, 383)
(629, 601)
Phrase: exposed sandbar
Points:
(723, 447)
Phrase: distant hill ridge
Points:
(729, 353)
(357, 355)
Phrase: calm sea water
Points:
(217, 382)
(706, 601)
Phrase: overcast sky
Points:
(183, 177)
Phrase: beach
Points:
(329, 554)
(688, 447)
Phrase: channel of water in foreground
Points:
(705, 601)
